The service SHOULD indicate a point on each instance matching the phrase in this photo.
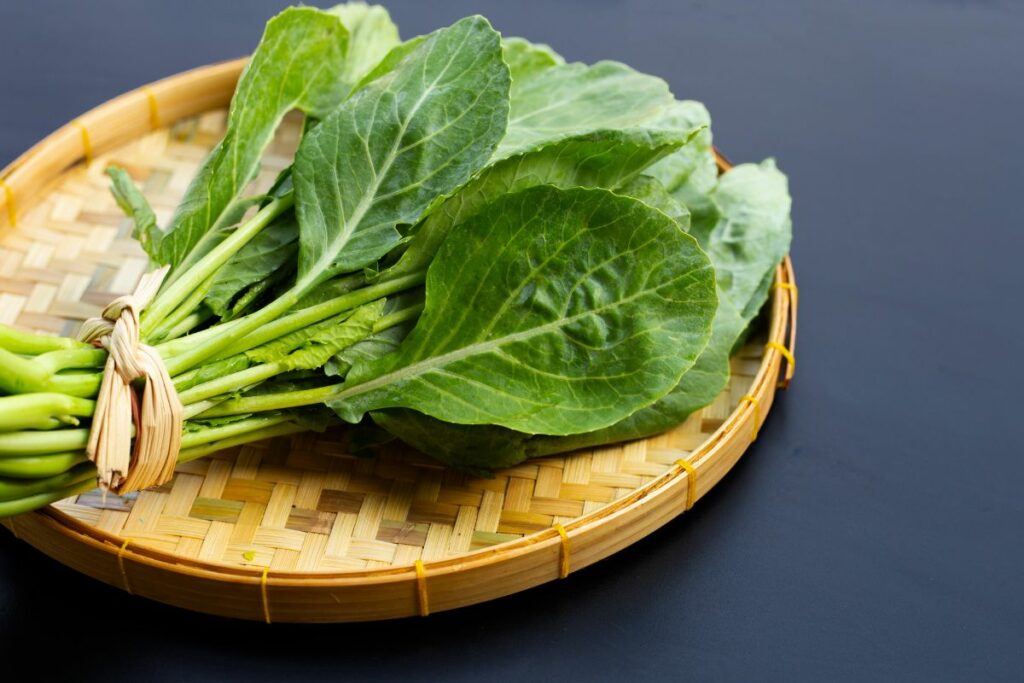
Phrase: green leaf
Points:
(526, 60)
(372, 35)
(272, 248)
(134, 205)
(478, 449)
(750, 238)
(297, 65)
(310, 347)
(691, 173)
(569, 99)
(411, 135)
(380, 343)
(576, 308)
(754, 210)
(651, 192)
(603, 158)
(753, 233)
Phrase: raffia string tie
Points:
(158, 418)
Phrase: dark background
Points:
(875, 528)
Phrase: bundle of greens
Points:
(479, 249)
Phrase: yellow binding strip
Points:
(12, 215)
(787, 354)
(752, 400)
(691, 482)
(264, 596)
(154, 107)
(86, 141)
(791, 287)
(421, 588)
(120, 565)
(564, 556)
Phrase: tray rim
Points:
(206, 88)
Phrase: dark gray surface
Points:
(873, 531)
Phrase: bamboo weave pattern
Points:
(293, 503)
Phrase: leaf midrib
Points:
(482, 347)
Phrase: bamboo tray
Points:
(294, 529)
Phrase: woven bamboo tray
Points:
(294, 529)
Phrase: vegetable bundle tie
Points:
(157, 420)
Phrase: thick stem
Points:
(21, 444)
(313, 314)
(20, 341)
(208, 435)
(24, 376)
(255, 435)
(278, 401)
(55, 361)
(232, 382)
(181, 313)
(42, 411)
(302, 397)
(180, 289)
(37, 466)
(189, 323)
(13, 489)
(16, 507)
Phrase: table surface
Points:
(874, 529)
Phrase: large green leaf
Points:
(753, 233)
(650, 191)
(134, 205)
(372, 35)
(596, 159)
(754, 210)
(526, 60)
(413, 134)
(274, 247)
(574, 308)
(691, 173)
(569, 99)
(298, 64)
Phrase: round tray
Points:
(295, 529)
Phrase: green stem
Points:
(55, 361)
(180, 289)
(181, 312)
(256, 435)
(21, 444)
(232, 382)
(20, 341)
(298, 398)
(208, 435)
(24, 376)
(34, 467)
(279, 401)
(13, 489)
(313, 314)
(16, 507)
(176, 347)
(42, 411)
(189, 323)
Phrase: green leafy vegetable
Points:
(413, 134)
(372, 35)
(274, 247)
(748, 241)
(480, 249)
(565, 100)
(298, 64)
(691, 173)
(576, 308)
(594, 159)
(526, 59)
